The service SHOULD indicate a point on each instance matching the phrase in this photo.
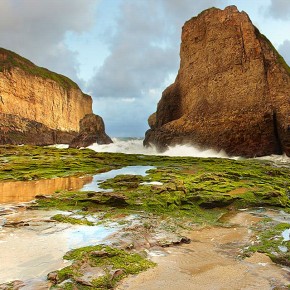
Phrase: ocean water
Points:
(135, 146)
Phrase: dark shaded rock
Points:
(17, 130)
(152, 121)
(115, 199)
(53, 277)
(232, 91)
(176, 241)
(83, 281)
(16, 224)
(100, 253)
(92, 130)
(108, 198)
(116, 272)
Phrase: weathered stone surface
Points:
(38, 106)
(232, 90)
(152, 121)
(17, 130)
(92, 130)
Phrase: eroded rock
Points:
(40, 107)
(232, 91)
(92, 130)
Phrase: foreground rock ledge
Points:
(232, 91)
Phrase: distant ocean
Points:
(131, 145)
(135, 146)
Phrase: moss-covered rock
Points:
(271, 242)
(107, 266)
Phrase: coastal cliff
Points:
(232, 91)
(38, 106)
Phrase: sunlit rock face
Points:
(92, 130)
(232, 91)
(38, 106)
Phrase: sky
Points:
(123, 53)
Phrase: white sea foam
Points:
(135, 146)
(278, 159)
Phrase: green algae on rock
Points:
(72, 220)
(12, 60)
(32, 162)
(271, 242)
(106, 265)
(185, 183)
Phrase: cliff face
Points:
(34, 99)
(40, 95)
(232, 90)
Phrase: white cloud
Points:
(128, 100)
(284, 50)
(144, 55)
(36, 30)
(144, 49)
(279, 9)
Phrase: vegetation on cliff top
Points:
(10, 60)
(280, 58)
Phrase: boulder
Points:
(92, 130)
(232, 91)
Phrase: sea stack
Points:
(37, 106)
(232, 91)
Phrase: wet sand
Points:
(211, 261)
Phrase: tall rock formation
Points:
(92, 130)
(38, 106)
(232, 91)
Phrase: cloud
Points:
(284, 50)
(144, 54)
(37, 29)
(144, 49)
(279, 9)
(124, 119)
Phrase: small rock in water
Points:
(53, 277)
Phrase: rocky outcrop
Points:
(17, 130)
(92, 130)
(232, 90)
(38, 106)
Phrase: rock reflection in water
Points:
(23, 191)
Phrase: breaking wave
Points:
(135, 146)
